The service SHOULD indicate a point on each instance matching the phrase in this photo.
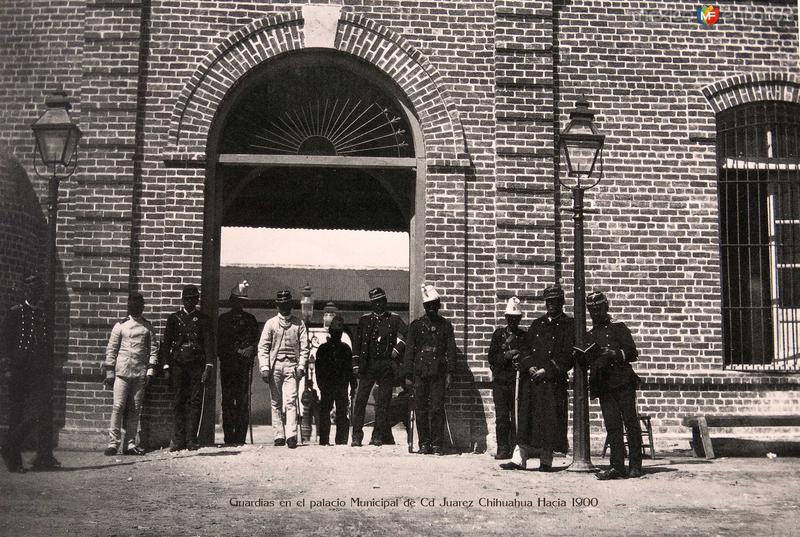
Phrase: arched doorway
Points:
(313, 140)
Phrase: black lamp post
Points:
(582, 147)
(56, 148)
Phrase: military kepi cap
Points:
(377, 294)
(553, 291)
(283, 297)
(190, 291)
(595, 298)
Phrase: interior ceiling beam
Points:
(244, 159)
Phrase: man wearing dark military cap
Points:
(131, 361)
(25, 355)
(377, 352)
(282, 358)
(334, 373)
(612, 379)
(236, 347)
(545, 359)
(189, 353)
(429, 364)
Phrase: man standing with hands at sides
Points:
(282, 358)
(430, 361)
(236, 346)
(189, 353)
(503, 351)
(131, 361)
(334, 374)
(377, 355)
(612, 379)
(545, 359)
(25, 356)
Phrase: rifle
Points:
(412, 405)
(250, 402)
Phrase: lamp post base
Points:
(581, 466)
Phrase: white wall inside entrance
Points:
(321, 248)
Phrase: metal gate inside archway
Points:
(317, 181)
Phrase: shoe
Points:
(545, 468)
(438, 451)
(355, 443)
(48, 462)
(110, 451)
(192, 446)
(502, 455)
(611, 473)
(135, 450)
(635, 473)
(279, 442)
(324, 443)
(173, 447)
(511, 466)
(291, 442)
(425, 449)
(377, 443)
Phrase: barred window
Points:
(758, 160)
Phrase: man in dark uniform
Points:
(612, 379)
(334, 374)
(430, 361)
(25, 355)
(377, 354)
(189, 353)
(503, 350)
(545, 359)
(236, 347)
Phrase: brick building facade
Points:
(483, 87)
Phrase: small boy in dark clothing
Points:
(334, 370)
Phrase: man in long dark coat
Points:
(334, 374)
(545, 359)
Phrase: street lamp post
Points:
(582, 147)
(56, 148)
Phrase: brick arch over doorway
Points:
(267, 38)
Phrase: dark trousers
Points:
(383, 396)
(503, 396)
(333, 394)
(619, 407)
(187, 403)
(429, 396)
(28, 409)
(234, 375)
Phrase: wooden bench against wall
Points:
(701, 441)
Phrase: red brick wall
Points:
(491, 90)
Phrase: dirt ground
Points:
(315, 490)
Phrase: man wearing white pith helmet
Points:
(503, 350)
(429, 363)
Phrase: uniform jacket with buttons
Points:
(381, 340)
(132, 348)
(548, 345)
(504, 339)
(605, 376)
(431, 348)
(179, 326)
(24, 337)
(236, 332)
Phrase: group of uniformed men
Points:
(529, 374)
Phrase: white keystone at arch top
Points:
(319, 25)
